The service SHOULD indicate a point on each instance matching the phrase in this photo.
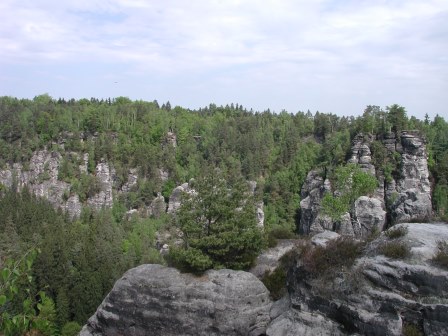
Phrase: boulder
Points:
(157, 300)
(369, 215)
(375, 296)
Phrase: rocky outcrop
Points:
(361, 154)
(103, 199)
(269, 260)
(369, 216)
(376, 296)
(406, 195)
(157, 300)
(313, 191)
(411, 199)
(41, 178)
(175, 200)
(158, 206)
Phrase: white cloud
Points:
(322, 43)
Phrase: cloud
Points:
(324, 45)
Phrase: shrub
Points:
(70, 329)
(338, 253)
(275, 282)
(278, 232)
(397, 232)
(395, 250)
(411, 330)
(441, 257)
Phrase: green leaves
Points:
(219, 226)
(350, 183)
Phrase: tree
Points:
(396, 116)
(350, 182)
(219, 226)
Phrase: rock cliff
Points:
(376, 296)
(157, 300)
(405, 196)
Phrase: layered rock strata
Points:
(157, 300)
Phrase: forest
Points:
(56, 270)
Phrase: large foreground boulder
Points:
(157, 300)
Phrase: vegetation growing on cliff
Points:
(81, 259)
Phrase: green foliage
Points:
(441, 257)
(395, 250)
(71, 329)
(397, 232)
(410, 329)
(327, 260)
(275, 282)
(219, 226)
(350, 183)
(22, 309)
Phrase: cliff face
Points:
(157, 300)
(376, 296)
(405, 196)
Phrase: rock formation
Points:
(157, 300)
(412, 198)
(406, 195)
(377, 296)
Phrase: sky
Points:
(332, 56)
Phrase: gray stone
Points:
(322, 238)
(158, 206)
(157, 300)
(269, 260)
(411, 199)
(370, 215)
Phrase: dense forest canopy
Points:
(80, 259)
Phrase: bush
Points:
(395, 250)
(411, 330)
(70, 329)
(441, 257)
(397, 232)
(338, 253)
(279, 232)
(275, 282)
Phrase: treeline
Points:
(80, 260)
(276, 150)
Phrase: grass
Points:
(441, 257)
(395, 250)
(397, 232)
(411, 330)
(337, 254)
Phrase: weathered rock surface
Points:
(103, 199)
(377, 296)
(408, 196)
(175, 200)
(157, 300)
(369, 216)
(41, 178)
(313, 191)
(413, 190)
(269, 260)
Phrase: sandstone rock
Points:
(312, 193)
(412, 199)
(103, 199)
(269, 260)
(157, 300)
(361, 153)
(387, 295)
(322, 238)
(370, 215)
(158, 206)
(296, 322)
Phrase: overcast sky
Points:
(329, 55)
